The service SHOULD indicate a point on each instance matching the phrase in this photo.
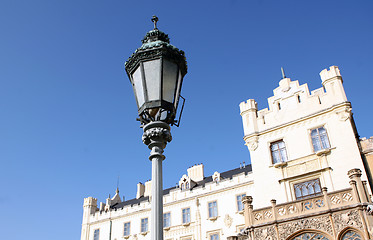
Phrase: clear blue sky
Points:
(67, 126)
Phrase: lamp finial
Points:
(155, 20)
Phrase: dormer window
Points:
(185, 183)
(216, 177)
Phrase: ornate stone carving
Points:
(347, 219)
(268, 233)
(354, 173)
(344, 114)
(252, 143)
(228, 221)
(322, 223)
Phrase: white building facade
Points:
(302, 140)
(199, 208)
(303, 144)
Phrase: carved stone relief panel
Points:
(347, 219)
(322, 223)
(267, 233)
(302, 167)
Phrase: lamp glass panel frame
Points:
(157, 84)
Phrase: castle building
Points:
(306, 154)
(297, 186)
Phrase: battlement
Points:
(366, 144)
(291, 101)
(249, 105)
(331, 73)
(90, 202)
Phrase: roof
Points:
(224, 175)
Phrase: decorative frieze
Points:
(322, 223)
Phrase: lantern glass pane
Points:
(179, 82)
(153, 79)
(138, 86)
(169, 80)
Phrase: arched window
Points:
(319, 139)
(310, 236)
(308, 188)
(278, 151)
(351, 235)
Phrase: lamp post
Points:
(156, 71)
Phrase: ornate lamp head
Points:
(156, 71)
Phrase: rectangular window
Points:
(213, 209)
(144, 225)
(214, 236)
(186, 215)
(239, 202)
(96, 234)
(166, 220)
(307, 189)
(319, 139)
(278, 151)
(127, 229)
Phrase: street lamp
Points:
(156, 71)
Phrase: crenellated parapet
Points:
(291, 102)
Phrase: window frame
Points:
(124, 229)
(182, 216)
(169, 219)
(319, 193)
(319, 138)
(213, 208)
(141, 225)
(214, 234)
(98, 234)
(281, 140)
(240, 204)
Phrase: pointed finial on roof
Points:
(117, 191)
(155, 20)
(283, 73)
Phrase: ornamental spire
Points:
(283, 73)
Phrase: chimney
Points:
(148, 188)
(140, 190)
(196, 173)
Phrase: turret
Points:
(333, 84)
(89, 207)
(248, 112)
